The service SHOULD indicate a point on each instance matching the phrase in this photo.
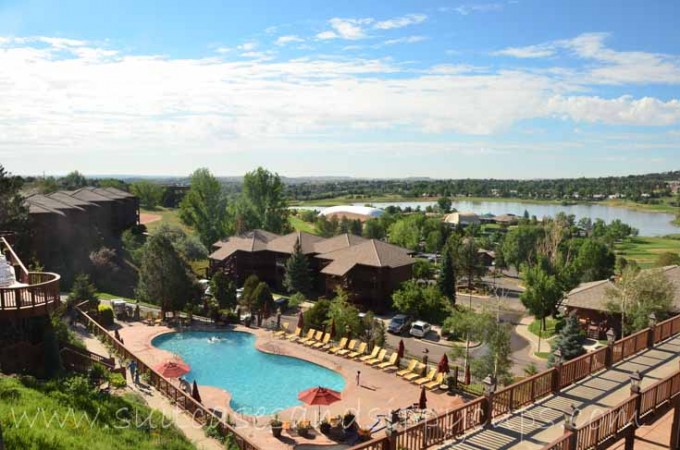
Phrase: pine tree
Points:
(263, 299)
(447, 277)
(570, 340)
(223, 290)
(297, 278)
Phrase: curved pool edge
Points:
(265, 343)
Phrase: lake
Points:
(649, 223)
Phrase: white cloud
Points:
(531, 51)
(283, 40)
(405, 40)
(467, 9)
(351, 29)
(58, 99)
(247, 46)
(325, 35)
(399, 22)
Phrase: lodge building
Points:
(368, 269)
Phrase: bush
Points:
(117, 380)
(296, 300)
(105, 315)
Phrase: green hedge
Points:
(105, 315)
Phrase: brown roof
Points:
(119, 193)
(50, 203)
(593, 295)
(251, 241)
(337, 242)
(91, 195)
(372, 253)
(590, 295)
(69, 200)
(286, 244)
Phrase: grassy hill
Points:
(70, 415)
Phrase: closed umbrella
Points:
(195, 394)
(319, 396)
(172, 369)
(443, 366)
(332, 328)
(301, 321)
(422, 403)
(400, 349)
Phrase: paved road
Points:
(542, 422)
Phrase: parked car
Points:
(420, 329)
(399, 324)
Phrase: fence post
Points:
(635, 379)
(557, 375)
(489, 391)
(651, 331)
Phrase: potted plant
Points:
(303, 427)
(348, 420)
(325, 426)
(277, 426)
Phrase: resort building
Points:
(462, 219)
(370, 270)
(589, 302)
(352, 212)
(67, 225)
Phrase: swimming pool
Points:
(259, 383)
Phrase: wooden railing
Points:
(666, 329)
(623, 348)
(199, 413)
(42, 291)
(14, 260)
(561, 443)
(522, 393)
(582, 366)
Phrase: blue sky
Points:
(446, 89)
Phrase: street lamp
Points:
(635, 379)
(489, 384)
(611, 336)
(557, 357)
(652, 319)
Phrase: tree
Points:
(164, 277)
(542, 294)
(317, 316)
(637, 294)
(247, 296)
(424, 302)
(263, 300)
(570, 340)
(497, 360)
(406, 232)
(297, 277)
(373, 229)
(423, 269)
(204, 207)
(13, 211)
(595, 260)
(519, 245)
(223, 290)
(667, 259)
(355, 227)
(72, 181)
(83, 290)
(187, 245)
(466, 324)
(447, 278)
(468, 263)
(444, 204)
(262, 203)
(150, 194)
(344, 314)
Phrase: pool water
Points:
(259, 383)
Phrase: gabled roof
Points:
(69, 200)
(338, 242)
(286, 243)
(50, 203)
(251, 241)
(372, 253)
(590, 295)
(119, 193)
(89, 195)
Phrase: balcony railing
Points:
(39, 295)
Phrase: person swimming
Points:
(214, 339)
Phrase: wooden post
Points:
(609, 355)
(488, 409)
(651, 332)
(630, 432)
(557, 373)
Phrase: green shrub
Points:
(117, 380)
(295, 300)
(105, 315)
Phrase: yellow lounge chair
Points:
(350, 347)
(409, 368)
(373, 354)
(432, 385)
(317, 338)
(390, 363)
(310, 335)
(324, 342)
(283, 331)
(295, 336)
(360, 351)
(340, 346)
(430, 376)
(378, 359)
(415, 374)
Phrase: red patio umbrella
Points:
(400, 349)
(195, 394)
(422, 403)
(443, 366)
(332, 328)
(319, 396)
(301, 321)
(172, 369)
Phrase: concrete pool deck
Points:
(380, 391)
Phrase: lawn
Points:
(69, 415)
(542, 355)
(550, 327)
(300, 225)
(645, 250)
(169, 216)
